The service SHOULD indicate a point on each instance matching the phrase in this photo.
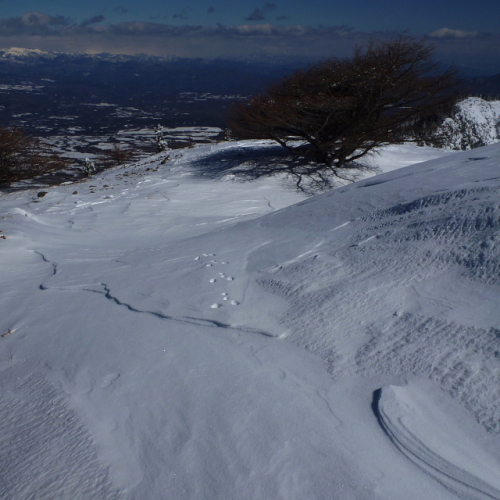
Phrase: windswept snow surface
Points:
(170, 336)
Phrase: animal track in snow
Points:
(225, 295)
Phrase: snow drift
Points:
(162, 338)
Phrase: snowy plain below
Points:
(166, 335)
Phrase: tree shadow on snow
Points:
(252, 162)
(247, 162)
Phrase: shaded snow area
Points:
(172, 335)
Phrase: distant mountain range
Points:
(22, 55)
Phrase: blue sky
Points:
(420, 16)
(466, 32)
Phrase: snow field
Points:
(171, 336)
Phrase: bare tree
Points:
(337, 111)
(21, 157)
(116, 156)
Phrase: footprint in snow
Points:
(109, 379)
(225, 296)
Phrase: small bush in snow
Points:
(89, 167)
(160, 141)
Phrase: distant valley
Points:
(51, 93)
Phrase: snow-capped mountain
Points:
(33, 55)
(21, 54)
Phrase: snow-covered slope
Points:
(170, 336)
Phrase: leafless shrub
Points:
(116, 156)
(337, 111)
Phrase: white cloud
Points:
(450, 33)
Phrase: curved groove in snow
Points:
(425, 435)
(182, 319)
